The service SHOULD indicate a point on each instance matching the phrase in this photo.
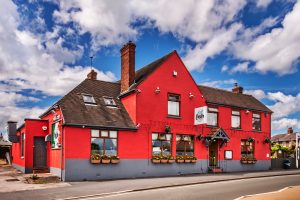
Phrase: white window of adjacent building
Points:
(235, 119)
(174, 105)
(212, 116)
(88, 99)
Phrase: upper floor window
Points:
(256, 122)
(184, 145)
(235, 119)
(174, 105)
(104, 142)
(89, 99)
(161, 144)
(212, 116)
(109, 101)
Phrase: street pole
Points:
(297, 149)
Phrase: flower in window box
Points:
(156, 159)
(95, 159)
(115, 159)
(244, 160)
(105, 159)
(171, 159)
(179, 159)
(164, 159)
(187, 159)
(193, 159)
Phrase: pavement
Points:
(12, 180)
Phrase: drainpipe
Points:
(62, 148)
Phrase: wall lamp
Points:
(157, 90)
(191, 95)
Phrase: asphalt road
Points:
(216, 190)
(210, 191)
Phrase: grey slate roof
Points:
(227, 98)
(76, 112)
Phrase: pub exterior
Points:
(153, 122)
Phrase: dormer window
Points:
(88, 99)
(109, 101)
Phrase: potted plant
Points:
(171, 159)
(105, 159)
(250, 139)
(187, 159)
(193, 159)
(179, 159)
(156, 159)
(167, 129)
(164, 159)
(244, 160)
(95, 159)
(267, 141)
(115, 159)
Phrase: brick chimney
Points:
(290, 130)
(127, 65)
(237, 89)
(92, 75)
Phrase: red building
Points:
(151, 116)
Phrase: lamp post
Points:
(297, 149)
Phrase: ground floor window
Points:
(184, 145)
(161, 144)
(104, 142)
(247, 148)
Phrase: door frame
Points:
(214, 146)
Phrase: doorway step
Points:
(215, 170)
(40, 170)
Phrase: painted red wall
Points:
(55, 155)
(16, 150)
(129, 103)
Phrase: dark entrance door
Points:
(40, 153)
(213, 154)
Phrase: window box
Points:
(115, 159)
(187, 160)
(95, 159)
(179, 159)
(105, 161)
(155, 161)
(248, 160)
(193, 159)
(164, 160)
(171, 160)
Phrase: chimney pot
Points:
(290, 130)
(127, 65)
(237, 89)
(92, 75)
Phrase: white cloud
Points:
(195, 58)
(220, 83)
(241, 67)
(276, 51)
(259, 94)
(224, 68)
(11, 98)
(284, 123)
(37, 62)
(263, 3)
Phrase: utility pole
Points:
(297, 149)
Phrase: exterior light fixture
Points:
(247, 111)
(138, 91)
(44, 128)
(191, 95)
(157, 90)
(175, 73)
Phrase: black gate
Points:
(40, 153)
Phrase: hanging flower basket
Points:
(167, 129)
(267, 141)
(250, 139)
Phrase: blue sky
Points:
(45, 48)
